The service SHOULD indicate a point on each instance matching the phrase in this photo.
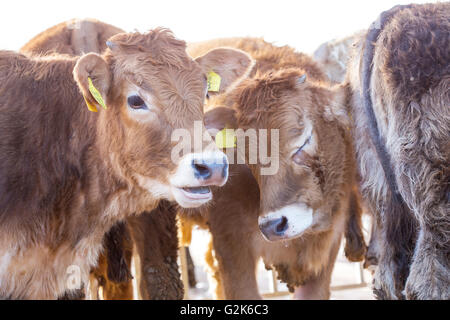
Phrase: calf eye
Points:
(136, 102)
(299, 157)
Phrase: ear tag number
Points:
(213, 81)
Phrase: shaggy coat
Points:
(333, 56)
(304, 263)
(75, 37)
(399, 81)
(113, 272)
(68, 175)
(156, 248)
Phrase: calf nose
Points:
(275, 228)
(211, 171)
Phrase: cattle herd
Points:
(91, 175)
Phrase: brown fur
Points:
(112, 287)
(74, 37)
(67, 175)
(270, 99)
(119, 250)
(333, 56)
(155, 237)
(80, 36)
(404, 165)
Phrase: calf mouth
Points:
(197, 192)
(192, 197)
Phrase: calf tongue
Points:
(201, 190)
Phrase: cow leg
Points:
(426, 189)
(118, 251)
(110, 290)
(215, 279)
(191, 268)
(236, 267)
(372, 254)
(156, 242)
(397, 234)
(429, 277)
(112, 273)
(236, 260)
(355, 246)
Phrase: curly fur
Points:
(404, 163)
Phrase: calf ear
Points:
(220, 118)
(94, 79)
(338, 109)
(231, 65)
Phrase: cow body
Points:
(168, 65)
(304, 263)
(403, 147)
(54, 179)
(74, 37)
(67, 175)
(113, 272)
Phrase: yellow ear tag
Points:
(213, 81)
(90, 106)
(226, 138)
(96, 94)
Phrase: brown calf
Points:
(307, 201)
(112, 274)
(334, 57)
(74, 37)
(399, 79)
(67, 175)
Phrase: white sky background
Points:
(301, 24)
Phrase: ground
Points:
(349, 280)
(346, 274)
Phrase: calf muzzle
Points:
(209, 171)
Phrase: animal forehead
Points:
(285, 115)
(157, 47)
(270, 95)
(150, 78)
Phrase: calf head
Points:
(309, 128)
(154, 94)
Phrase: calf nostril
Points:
(202, 170)
(282, 226)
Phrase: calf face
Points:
(303, 193)
(154, 94)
